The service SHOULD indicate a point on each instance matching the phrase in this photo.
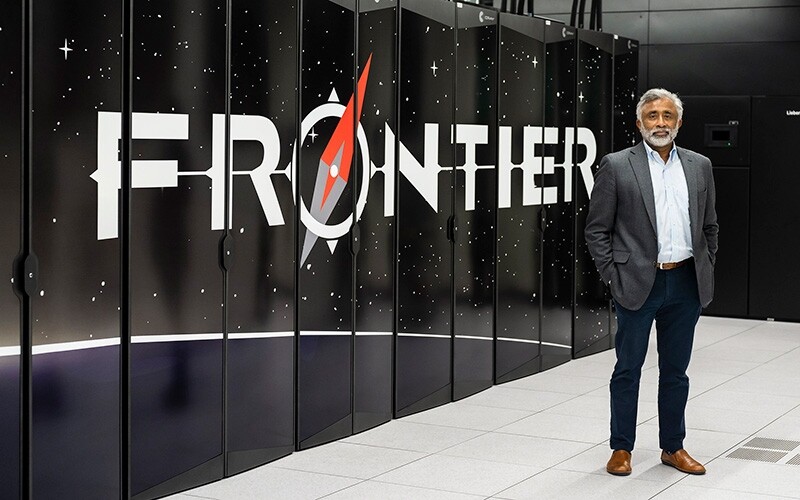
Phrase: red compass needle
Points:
(343, 141)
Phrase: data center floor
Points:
(545, 436)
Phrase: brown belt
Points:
(666, 266)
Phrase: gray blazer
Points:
(621, 224)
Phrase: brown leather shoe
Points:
(683, 462)
(620, 463)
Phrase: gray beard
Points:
(659, 142)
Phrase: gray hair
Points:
(654, 95)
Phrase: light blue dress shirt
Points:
(672, 206)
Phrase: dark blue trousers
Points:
(675, 306)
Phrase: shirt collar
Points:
(652, 153)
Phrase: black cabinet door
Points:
(475, 200)
(424, 290)
(774, 277)
(558, 162)
(626, 78)
(593, 134)
(519, 252)
(375, 242)
(10, 228)
(76, 96)
(330, 106)
(177, 218)
(261, 289)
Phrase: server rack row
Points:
(383, 215)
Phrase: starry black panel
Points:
(10, 221)
(176, 224)
(325, 307)
(76, 75)
(375, 261)
(10, 167)
(260, 383)
(475, 194)
(521, 111)
(626, 87)
(594, 119)
(626, 72)
(78, 298)
(557, 247)
(424, 293)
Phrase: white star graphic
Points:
(65, 49)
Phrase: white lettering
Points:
(144, 173)
(424, 177)
(471, 136)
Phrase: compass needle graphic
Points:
(334, 164)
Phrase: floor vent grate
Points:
(757, 455)
(794, 461)
(772, 444)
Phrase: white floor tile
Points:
(786, 427)
(779, 326)
(584, 406)
(371, 490)
(468, 416)
(731, 352)
(560, 382)
(567, 485)
(700, 382)
(724, 366)
(766, 338)
(700, 379)
(731, 400)
(713, 330)
(518, 399)
(764, 383)
(566, 427)
(788, 360)
(587, 367)
(750, 477)
(648, 392)
(516, 449)
(413, 436)
(458, 474)
(777, 371)
(730, 421)
(735, 325)
(349, 460)
(682, 491)
(272, 483)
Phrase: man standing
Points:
(652, 232)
